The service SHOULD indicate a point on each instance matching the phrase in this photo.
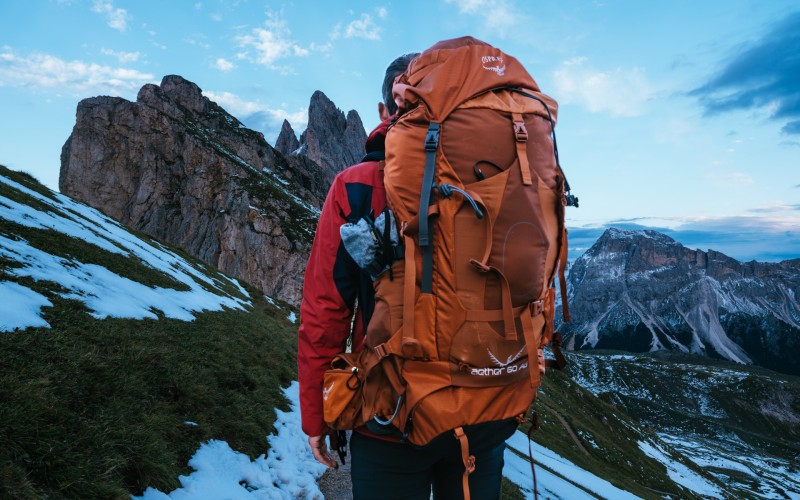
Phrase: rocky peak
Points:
(643, 291)
(287, 142)
(332, 140)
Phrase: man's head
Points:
(388, 107)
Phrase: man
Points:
(382, 467)
(334, 284)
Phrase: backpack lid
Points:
(453, 71)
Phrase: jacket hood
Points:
(377, 138)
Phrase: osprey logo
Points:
(510, 359)
(507, 367)
(495, 63)
(326, 391)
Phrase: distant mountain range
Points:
(642, 291)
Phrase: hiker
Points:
(383, 466)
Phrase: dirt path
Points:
(335, 484)
(568, 429)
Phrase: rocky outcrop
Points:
(332, 140)
(287, 142)
(643, 291)
(177, 166)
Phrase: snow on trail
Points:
(289, 471)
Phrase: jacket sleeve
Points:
(326, 311)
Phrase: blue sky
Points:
(682, 116)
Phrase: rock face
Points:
(287, 142)
(178, 167)
(642, 291)
(331, 139)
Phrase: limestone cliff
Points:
(177, 166)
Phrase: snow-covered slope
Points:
(104, 292)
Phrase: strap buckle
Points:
(520, 132)
(432, 139)
(381, 351)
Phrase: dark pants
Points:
(384, 470)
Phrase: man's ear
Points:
(382, 111)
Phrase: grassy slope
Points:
(598, 437)
(98, 408)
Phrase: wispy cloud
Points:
(223, 64)
(115, 17)
(761, 75)
(259, 116)
(776, 207)
(363, 27)
(496, 15)
(123, 57)
(268, 44)
(620, 92)
(46, 72)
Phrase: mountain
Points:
(178, 167)
(120, 355)
(332, 140)
(642, 291)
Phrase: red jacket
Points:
(334, 284)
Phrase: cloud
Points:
(123, 57)
(223, 64)
(777, 206)
(258, 116)
(270, 44)
(620, 92)
(760, 75)
(363, 27)
(46, 72)
(115, 17)
(497, 15)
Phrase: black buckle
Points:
(432, 139)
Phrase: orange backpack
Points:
(473, 179)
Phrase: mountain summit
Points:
(178, 167)
(643, 291)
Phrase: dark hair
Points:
(397, 67)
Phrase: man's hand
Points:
(320, 451)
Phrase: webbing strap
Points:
(521, 137)
(560, 362)
(409, 288)
(425, 233)
(509, 328)
(530, 458)
(492, 314)
(469, 460)
(562, 281)
(529, 331)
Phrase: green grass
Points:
(598, 437)
(510, 491)
(97, 408)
